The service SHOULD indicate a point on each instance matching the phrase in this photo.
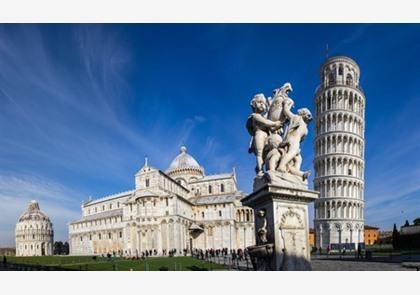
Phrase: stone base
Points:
(287, 226)
(279, 179)
(261, 256)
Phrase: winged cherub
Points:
(259, 127)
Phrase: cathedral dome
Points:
(34, 232)
(34, 213)
(184, 167)
(183, 160)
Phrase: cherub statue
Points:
(273, 152)
(259, 127)
(298, 129)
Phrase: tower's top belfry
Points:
(339, 70)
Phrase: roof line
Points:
(109, 197)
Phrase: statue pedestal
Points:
(281, 227)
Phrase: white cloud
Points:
(199, 118)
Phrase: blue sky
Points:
(81, 105)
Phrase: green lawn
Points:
(387, 250)
(87, 263)
(384, 250)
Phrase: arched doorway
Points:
(43, 249)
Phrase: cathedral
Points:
(176, 210)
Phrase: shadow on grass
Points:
(196, 268)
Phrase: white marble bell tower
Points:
(339, 155)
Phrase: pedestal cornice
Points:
(273, 192)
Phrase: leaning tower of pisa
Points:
(339, 155)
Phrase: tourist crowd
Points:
(234, 254)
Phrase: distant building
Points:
(408, 237)
(7, 251)
(311, 237)
(34, 232)
(410, 229)
(179, 209)
(385, 237)
(371, 234)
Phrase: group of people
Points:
(238, 254)
(343, 252)
(141, 255)
(154, 252)
(148, 253)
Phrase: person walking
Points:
(359, 252)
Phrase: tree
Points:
(58, 248)
(395, 237)
(66, 249)
(416, 221)
(407, 223)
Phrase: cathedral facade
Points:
(179, 209)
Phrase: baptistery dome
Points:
(34, 232)
(184, 168)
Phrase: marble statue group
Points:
(276, 135)
(280, 194)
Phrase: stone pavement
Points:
(323, 264)
(335, 265)
(2, 268)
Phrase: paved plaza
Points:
(320, 264)
(324, 263)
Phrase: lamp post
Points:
(339, 241)
(244, 236)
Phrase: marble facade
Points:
(181, 208)
(34, 233)
(339, 155)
